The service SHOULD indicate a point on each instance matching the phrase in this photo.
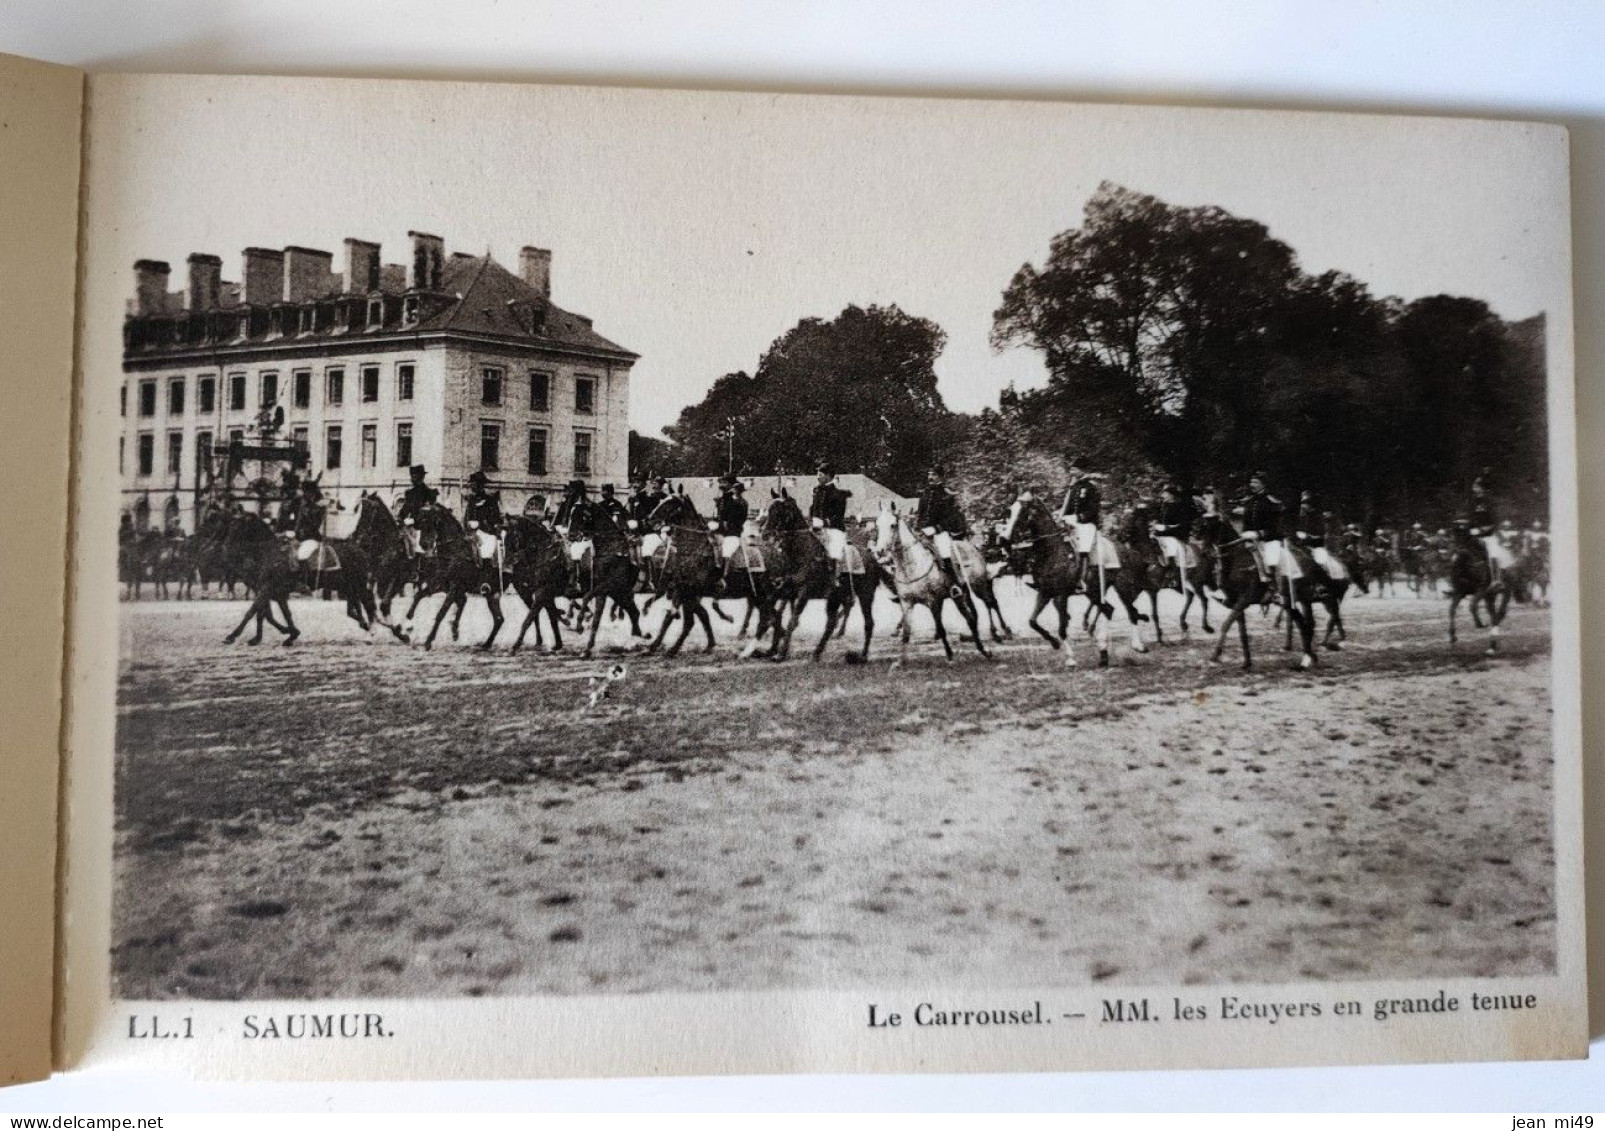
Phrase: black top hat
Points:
(738, 486)
(576, 486)
(937, 472)
(727, 480)
(418, 471)
(828, 471)
(478, 479)
(607, 488)
(659, 480)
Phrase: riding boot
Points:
(955, 585)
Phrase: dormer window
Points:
(244, 330)
(276, 322)
(307, 320)
(376, 313)
(409, 310)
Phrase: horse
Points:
(378, 537)
(918, 578)
(605, 572)
(1036, 545)
(690, 570)
(802, 570)
(211, 563)
(261, 559)
(1472, 575)
(338, 564)
(538, 568)
(1239, 578)
(451, 566)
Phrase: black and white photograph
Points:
(659, 543)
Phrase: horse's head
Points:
(886, 529)
(784, 514)
(1028, 519)
(675, 510)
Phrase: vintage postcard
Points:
(590, 581)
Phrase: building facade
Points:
(455, 363)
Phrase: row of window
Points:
(493, 388)
(490, 448)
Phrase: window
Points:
(409, 310)
(370, 445)
(331, 448)
(490, 385)
(585, 395)
(203, 450)
(206, 394)
(298, 437)
(490, 447)
(301, 389)
(537, 451)
(404, 375)
(175, 452)
(245, 326)
(270, 390)
(236, 436)
(175, 397)
(540, 392)
(582, 453)
(370, 384)
(307, 320)
(147, 398)
(122, 401)
(334, 391)
(236, 392)
(147, 453)
(404, 444)
(376, 313)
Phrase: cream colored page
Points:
(663, 207)
(41, 110)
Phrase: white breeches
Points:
(730, 543)
(306, 549)
(651, 543)
(836, 544)
(1086, 537)
(1334, 568)
(485, 545)
(1497, 552)
(1271, 552)
(1174, 549)
(414, 538)
(944, 545)
(578, 550)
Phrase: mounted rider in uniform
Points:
(730, 515)
(828, 513)
(1309, 533)
(941, 519)
(482, 514)
(1485, 527)
(1083, 506)
(419, 495)
(1173, 525)
(612, 508)
(1262, 526)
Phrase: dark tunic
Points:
(1483, 519)
(642, 506)
(613, 509)
(731, 512)
(485, 510)
(418, 496)
(830, 506)
(1084, 501)
(1176, 518)
(566, 509)
(1311, 527)
(1262, 515)
(939, 509)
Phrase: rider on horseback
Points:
(1083, 504)
(1173, 525)
(482, 513)
(730, 516)
(418, 496)
(828, 513)
(1309, 532)
(1262, 526)
(1484, 525)
(610, 506)
(942, 521)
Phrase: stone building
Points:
(453, 362)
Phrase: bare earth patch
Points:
(342, 819)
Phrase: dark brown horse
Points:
(450, 566)
(801, 570)
(1472, 576)
(379, 539)
(538, 568)
(1038, 548)
(1243, 583)
(261, 559)
(690, 570)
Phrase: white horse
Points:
(918, 578)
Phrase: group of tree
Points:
(1180, 343)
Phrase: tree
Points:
(857, 392)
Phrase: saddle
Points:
(747, 559)
(852, 561)
(322, 559)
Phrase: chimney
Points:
(306, 273)
(428, 256)
(535, 268)
(205, 283)
(361, 272)
(263, 277)
(150, 286)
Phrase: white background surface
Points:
(1503, 59)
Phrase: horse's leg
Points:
(688, 618)
(746, 619)
(1153, 602)
(239, 628)
(596, 622)
(707, 625)
(445, 606)
(1242, 632)
(1136, 618)
(494, 602)
(972, 618)
(291, 632)
(1304, 613)
(1454, 606)
(460, 598)
(663, 631)
(866, 606)
(1032, 622)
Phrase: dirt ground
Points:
(355, 818)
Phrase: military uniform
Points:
(828, 511)
(1172, 528)
(1083, 505)
(612, 508)
(940, 514)
(416, 498)
(1262, 524)
(483, 516)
